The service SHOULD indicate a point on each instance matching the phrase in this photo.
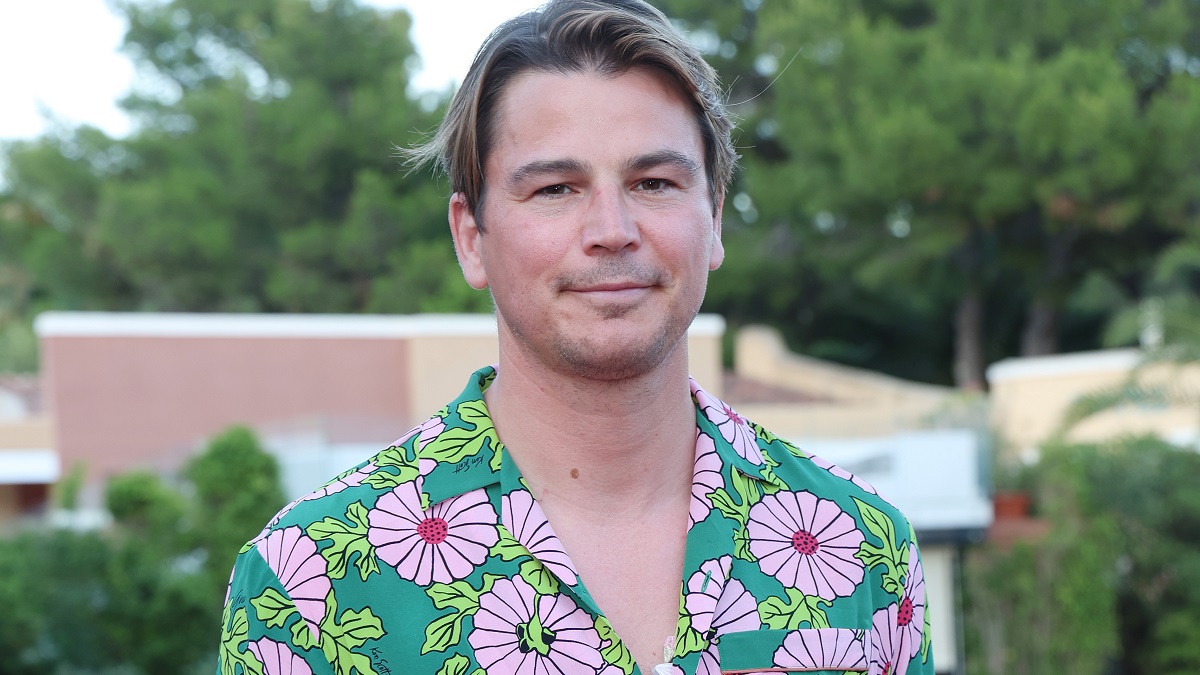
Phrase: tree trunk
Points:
(969, 357)
(968, 342)
(1040, 336)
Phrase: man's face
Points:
(599, 232)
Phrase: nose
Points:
(609, 222)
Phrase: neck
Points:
(608, 447)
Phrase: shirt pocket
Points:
(806, 650)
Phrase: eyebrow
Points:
(543, 167)
(664, 158)
(644, 162)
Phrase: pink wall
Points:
(122, 402)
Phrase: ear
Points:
(717, 254)
(468, 241)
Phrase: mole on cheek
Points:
(574, 473)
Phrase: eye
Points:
(554, 190)
(652, 184)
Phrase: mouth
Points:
(611, 287)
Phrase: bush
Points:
(1116, 583)
(144, 596)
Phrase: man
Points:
(582, 507)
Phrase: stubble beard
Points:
(585, 358)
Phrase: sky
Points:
(61, 58)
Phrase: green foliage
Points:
(141, 502)
(260, 177)
(237, 490)
(98, 602)
(913, 166)
(1114, 584)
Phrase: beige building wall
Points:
(847, 402)
(1030, 396)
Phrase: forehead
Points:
(590, 116)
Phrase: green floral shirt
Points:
(433, 558)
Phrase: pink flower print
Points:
(293, 557)
(717, 604)
(842, 473)
(806, 543)
(706, 478)
(896, 630)
(425, 432)
(442, 544)
(518, 631)
(525, 519)
(352, 479)
(277, 659)
(733, 427)
(822, 649)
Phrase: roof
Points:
(739, 389)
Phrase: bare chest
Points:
(635, 575)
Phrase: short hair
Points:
(609, 37)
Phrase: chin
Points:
(612, 359)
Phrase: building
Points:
(28, 462)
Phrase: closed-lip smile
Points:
(610, 286)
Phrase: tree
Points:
(99, 602)
(261, 176)
(984, 157)
(238, 489)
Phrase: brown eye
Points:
(652, 184)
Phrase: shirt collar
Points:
(467, 454)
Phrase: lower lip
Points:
(616, 294)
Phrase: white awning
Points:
(935, 477)
(29, 467)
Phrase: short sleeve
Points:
(263, 631)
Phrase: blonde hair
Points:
(608, 37)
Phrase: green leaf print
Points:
(497, 458)
(925, 635)
(349, 542)
(723, 502)
(393, 456)
(443, 632)
(687, 638)
(460, 594)
(446, 631)
(771, 483)
(457, 443)
(384, 479)
(749, 489)
(302, 636)
(507, 547)
(455, 665)
(795, 612)
(891, 554)
(539, 577)
(341, 635)
(612, 649)
(273, 608)
(741, 545)
(235, 634)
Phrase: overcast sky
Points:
(61, 56)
